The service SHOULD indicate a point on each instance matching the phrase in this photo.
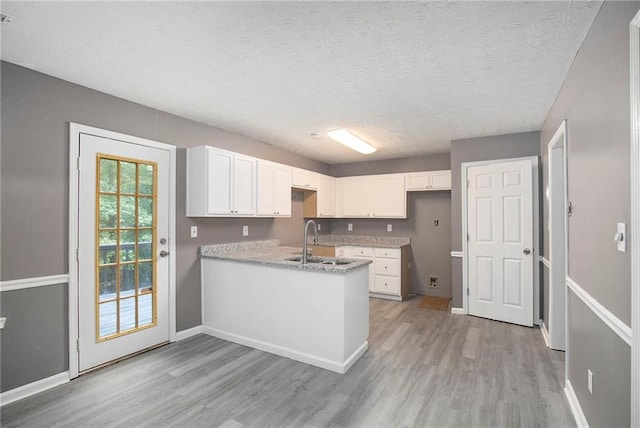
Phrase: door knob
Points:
(526, 251)
(164, 253)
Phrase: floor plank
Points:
(424, 368)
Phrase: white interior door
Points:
(123, 232)
(500, 242)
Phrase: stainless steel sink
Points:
(321, 260)
(336, 262)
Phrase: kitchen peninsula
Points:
(258, 294)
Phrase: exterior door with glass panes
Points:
(123, 268)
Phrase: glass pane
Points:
(145, 179)
(127, 211)
(127, 314)
(127, 280)
(145, 277)
(127, 177)
(145, 310)
(145, 244)
(107, 247)
(127, 245)
(145, 212)
(108, 319)
(108, 284)
(108, 211)
(108, 175)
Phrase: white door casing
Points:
(634, 55)
(558, 240)
(500, 251)
(85, 350)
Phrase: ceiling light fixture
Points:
(345, 137)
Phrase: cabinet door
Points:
(219, 184)
(265, 189)
(356, 196)
(386, 284)
(326, 196)
(244, 185)
(304, 179)
(417, 181)
(389, 197)
(282, 191)
(440, 180)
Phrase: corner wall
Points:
(472, 150)
(594, 99)
(36, 111)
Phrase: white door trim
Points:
(634, 59)
(558, 249)
(75, 130)
(536, 231)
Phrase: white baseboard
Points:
(545, 334)
(385, 296)
(33, 388)
(576, 409)
(190, 332)
(335, 366)
(458, 311)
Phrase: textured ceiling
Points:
(406, 76)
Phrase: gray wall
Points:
(594, 99)
(430, 245)
(34, 339)
(480, 149)
(36, 111)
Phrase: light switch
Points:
(194, 231)
(245, 230)
(2, 321)
(621, 237)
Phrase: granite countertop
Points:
(270, 253)
(363, 241)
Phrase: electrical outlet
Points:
(590, 381)
(389, 228)
(433, 281)
(194, 231)
(245, 230)
(2, 321)
(319, 227)
(350, 226)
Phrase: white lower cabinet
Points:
(385, 273)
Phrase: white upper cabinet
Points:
(389, 198)
(219, 183)
(369, 196)
(356, 196)
(304, 179)
(429, 180)
(273, 190)
(326, 196)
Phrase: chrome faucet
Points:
(315, 239)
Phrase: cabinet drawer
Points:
(389, 253)
(386, 267)
(363, 252)
(386, 284)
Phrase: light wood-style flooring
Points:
(424, 368)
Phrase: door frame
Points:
(634, 67)
(536, 230)
(558, 239)
(75, 130)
